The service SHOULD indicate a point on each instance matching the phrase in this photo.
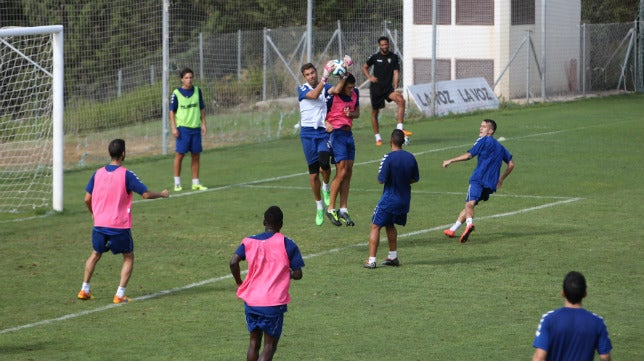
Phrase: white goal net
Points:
(31, 100)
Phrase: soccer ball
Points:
(339, 70)
(335, 68)
(339, 67)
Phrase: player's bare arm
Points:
(461, 158)
(173, 124)
(296, 274)
(396, 79)
(88, 201)
(365, 71)
(337, 89)
(154, 195)
(235, 270)
(353, 114)
(204, 128)
(505, 174)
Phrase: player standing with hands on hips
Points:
(188, 121)
(398, 170)
(109, 199)
(571, 333)
(384, 82)
(485, 177)
(273, 260)
(314, 137)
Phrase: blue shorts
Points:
(382, 218)
(342, 145)
(314, 141)
(116, 240)
(477, 192)
(270, 322)
(189, 140)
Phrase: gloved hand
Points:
(328, 69)
(325, 75)
(347, 61)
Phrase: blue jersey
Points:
(397, 171)
(572, 334)
(491, 155)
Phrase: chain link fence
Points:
(249, 77)
(609, 57)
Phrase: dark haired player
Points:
(109, 198)
(343, 106)
(571, 333)
(384, 82)
(188, 122)
(313, 135)
(273, 260)
(485, 177)
(398, 170)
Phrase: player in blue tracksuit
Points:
(485, 179)
(398, 170)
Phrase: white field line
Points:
(221, 278)
(379, 190)
(335, 250)
(266, 180)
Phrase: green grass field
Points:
(573, 202)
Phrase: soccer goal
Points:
(31, 118)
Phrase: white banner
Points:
(455, 96)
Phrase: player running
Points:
(485, 178)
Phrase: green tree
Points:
(11, 13)
(608, 11)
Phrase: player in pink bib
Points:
(343, 106)
(109, 198)
(273, 260)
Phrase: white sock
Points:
(177, 181)
(378, 137)
(393, 255)
(456, 225)
(344, 210)
(120, 292)
(195, 181)
(468, 221)
(399, 126)
(325, 187)
(372, 259)
(319, 204)
(85, 287)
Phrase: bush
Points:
(141, 105)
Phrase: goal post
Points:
(32, 133)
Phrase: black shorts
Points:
(378, 96)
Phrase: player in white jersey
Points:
(315, 139)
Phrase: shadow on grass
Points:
(452, 261)
(21, 349)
